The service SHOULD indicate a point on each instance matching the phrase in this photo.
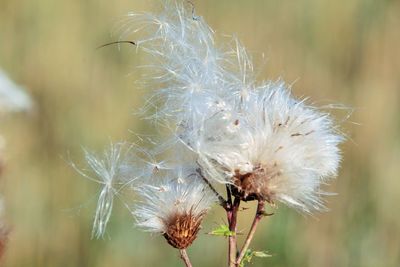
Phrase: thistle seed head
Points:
(182, 229)
(174, 207)
(271, 147)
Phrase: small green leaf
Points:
(222, 230)
(248, 256)
(261, 254)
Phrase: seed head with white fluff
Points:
(255, 139)
(272, 147)
(174, 206)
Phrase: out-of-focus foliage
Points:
(334, 51)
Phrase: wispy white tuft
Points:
(113, 171)
(181, 192)
(193, 77)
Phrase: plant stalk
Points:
(232, 220)
(257, 218)
(185, 257)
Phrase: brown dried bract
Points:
(254, 185)
(182, 229)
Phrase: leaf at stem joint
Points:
(222, 230)
(248, 256)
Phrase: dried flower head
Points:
(174, 207)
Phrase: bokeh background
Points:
(344, 51)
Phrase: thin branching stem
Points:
(232, 220)
(257, 218)
(185, 257)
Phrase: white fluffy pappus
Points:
(256, 137)
(113, 171)
(271, 147)
(191, 75)
(174, 206)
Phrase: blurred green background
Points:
(334, 51)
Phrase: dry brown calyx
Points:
(255, 185)
(182, 229)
